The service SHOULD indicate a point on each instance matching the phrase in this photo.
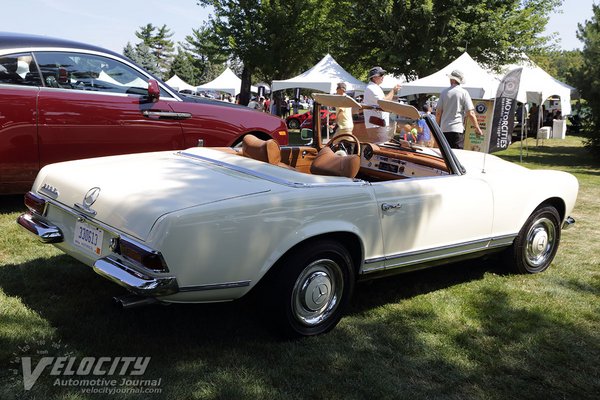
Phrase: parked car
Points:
(297, 225)
(62, 100)
(294, 121)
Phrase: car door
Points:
(433, 217)
(18, 131)
(93, 105)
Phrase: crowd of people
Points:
(453, 108)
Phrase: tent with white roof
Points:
(227, 82)
(537, 85)
(323, 76)
(478, 82)
(179, 84)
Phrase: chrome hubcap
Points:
(540, 242)
(317, 292)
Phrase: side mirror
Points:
(306, 134)
(153, 91)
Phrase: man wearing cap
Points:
(377, 122)
(454, 103)
(343, 114)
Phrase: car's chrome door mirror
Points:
(153, 91)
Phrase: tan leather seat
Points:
(262, 150)
(331, 164)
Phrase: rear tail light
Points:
(139, 254)
(35, 204)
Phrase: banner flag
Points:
(503, 121)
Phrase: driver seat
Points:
(331, 164)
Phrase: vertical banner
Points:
(261, 91)
(504, 111)
(297, 93)
(483, 112)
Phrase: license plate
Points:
(88, 238)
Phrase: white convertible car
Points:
(300, 225)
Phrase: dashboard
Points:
(387, 162)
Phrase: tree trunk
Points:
(245, 89)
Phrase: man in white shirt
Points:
(452, 107)
(377, 122)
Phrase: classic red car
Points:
(294, 121)
(62, 100)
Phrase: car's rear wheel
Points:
(293, 123)
(311, 288)
(536, 244)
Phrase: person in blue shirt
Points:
(423, 132)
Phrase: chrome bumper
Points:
(40, 229)
(569, 222)
(133, 280)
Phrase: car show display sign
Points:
(483, 112)
(504, 111)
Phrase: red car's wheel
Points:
(293, 123)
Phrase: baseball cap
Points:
(341, 85)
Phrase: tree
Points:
(206, 57)
(183, 66)
(417, 38)
(160, 45)
(273, 38)
(589, 76)
(141, 55)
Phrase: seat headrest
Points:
(331, 164)
(262, 150)
(9, 64)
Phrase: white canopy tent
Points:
(537, 85)
(227, 82)
(389, 81)
(324, 76)
(179, 84)
(478, 82)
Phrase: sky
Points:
(112, 23)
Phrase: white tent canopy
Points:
(226, 82)
(478, 82)
(324, 76)
(537, 85)
(179, 84)
(389, 81)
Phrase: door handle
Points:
(388, 206)
(165, 114)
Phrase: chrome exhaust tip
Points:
(132, 301)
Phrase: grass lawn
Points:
(469, 330)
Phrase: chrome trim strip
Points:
(215, 286)
(439, 253)
(137, 282)
(44, 232)
(271, 178)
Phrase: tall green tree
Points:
(589, 76)
(158, 40)
(417, 37)
(183, 67)
(274, 39)
(142, 55)
(206, 56)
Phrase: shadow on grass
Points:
(11, 203)
(408, 350)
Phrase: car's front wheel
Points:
(312, 287)
(536, 244)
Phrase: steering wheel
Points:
(340, 142)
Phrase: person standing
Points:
(377, 122)
(453, 106)
(343, 114)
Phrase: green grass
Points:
(469, 330)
